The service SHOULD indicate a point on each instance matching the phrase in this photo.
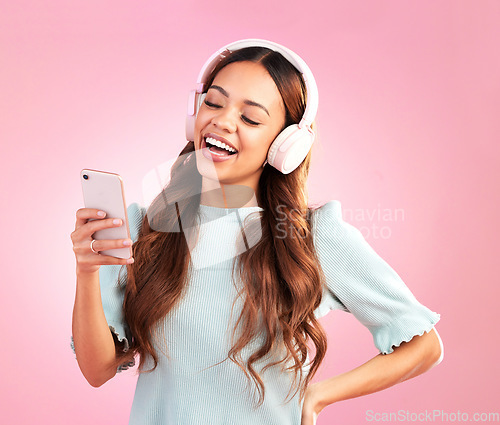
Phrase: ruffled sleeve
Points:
(359, 281)
(112, 279)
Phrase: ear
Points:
(200, 100)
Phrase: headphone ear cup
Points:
(190, 128)
(290, 148)
(194, 104)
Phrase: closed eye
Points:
(249, 121)
(212, 105)
(243, 117)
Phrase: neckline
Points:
(212, 208)
(209, 213)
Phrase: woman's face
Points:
(243, 109)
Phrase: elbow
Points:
(96, 367)
(431, 351)
(97, 376)
(437, 353)
(97, 380)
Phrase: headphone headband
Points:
(292, 57)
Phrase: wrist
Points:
(314, 401)
(322, 395)
(85, 275)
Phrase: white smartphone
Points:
(104, 191)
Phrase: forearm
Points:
(407, 361)
(93, 341)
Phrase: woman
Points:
(231, 269)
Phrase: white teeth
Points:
(220, 144)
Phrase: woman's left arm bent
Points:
(410, 359)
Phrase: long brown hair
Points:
(282, 277)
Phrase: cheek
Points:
(199, 123)
(198, 120)
(259, 142)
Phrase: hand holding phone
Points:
(104, 191)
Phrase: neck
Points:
(228, 196)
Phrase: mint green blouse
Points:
(196, 383)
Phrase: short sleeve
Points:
(359, 281)
(112, 279)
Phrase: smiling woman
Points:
(243, 109)
(232, 269)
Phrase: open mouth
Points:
(217, 147)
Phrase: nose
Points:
(225, 120)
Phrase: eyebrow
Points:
(246, 101)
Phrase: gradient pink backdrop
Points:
(408, 119)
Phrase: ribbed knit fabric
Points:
(196, 384)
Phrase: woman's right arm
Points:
(93, 341)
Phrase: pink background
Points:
(408, 119)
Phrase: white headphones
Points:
(292, 145)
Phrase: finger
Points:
(82, 247)
(83, 234)
(84, 214)
(105, 244)
(88, 229)
(108, 260)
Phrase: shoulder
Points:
(338, 241)
(329, 210)
(327, 220)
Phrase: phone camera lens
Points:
(85, 177)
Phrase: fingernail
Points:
(101, 213)
(130, 261)
(127, 243)
(117, 221)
